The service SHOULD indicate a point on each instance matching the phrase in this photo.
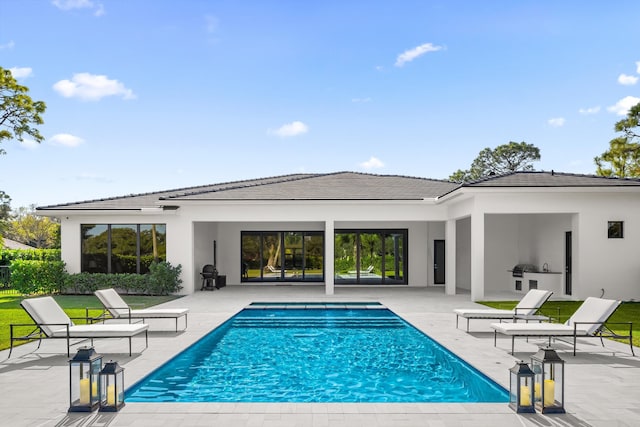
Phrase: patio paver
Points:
(602, 384)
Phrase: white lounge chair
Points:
(526, 309)
(52, 322)
(366, 272)
(588, 321)
(119, 309)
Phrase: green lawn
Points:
(73, 305)
(560, 311)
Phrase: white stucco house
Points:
(578, 234)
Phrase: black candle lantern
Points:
(84, 380)
(112, 387)
(521, 388)
(548, 369)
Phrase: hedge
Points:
(162, 279)
(9, 255)
(49, 277)
(33, 277)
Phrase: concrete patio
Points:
(602, 384)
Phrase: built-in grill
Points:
(520, 269)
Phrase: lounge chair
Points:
(274, 270)
(369, 270)
(587, 322)
(52, 322)
(526, 309)
(119, 309)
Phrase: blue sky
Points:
(149, 95)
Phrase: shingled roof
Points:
(328, 186)
(551, 179)
(338, 186)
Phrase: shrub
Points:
(9, 255)
(31, 277)
(162, 279)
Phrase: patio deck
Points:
(602, 384)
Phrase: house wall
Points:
(228, 237)
(544, 216)
(520, 226)
(463, 254)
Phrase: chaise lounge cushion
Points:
(118, 308)
(527, 306)
(592, 310)
(52, 319)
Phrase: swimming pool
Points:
(302, 352)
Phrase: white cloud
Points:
(411, 54)
(590, 110)
(91, 87)
(638, 67)
(372, 163)
(556, 122)
(29, 144)
(622, 107)
(66, 140)
(9, 45)
(626, 80)
(290, 129)
(79, 4)
(21, 72)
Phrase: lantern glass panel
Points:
(84, 380)
(521, 388)
(549, 381)
(112, 390)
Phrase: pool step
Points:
(318, 322)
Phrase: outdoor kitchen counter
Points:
(547, 280)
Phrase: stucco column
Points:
(450, 257)
(329, 249)
(180, 250)
(477, 256)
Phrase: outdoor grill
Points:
(520, 269)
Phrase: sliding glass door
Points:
(370, 257)
(269, 256)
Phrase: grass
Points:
(560, 311)
(73, 305)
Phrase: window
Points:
(122, 248)
(370, 257)
(615, 229)
(269, 256)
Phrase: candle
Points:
(525, 395)
(111, 395)
(537, 391)
(549, 393)
(94, 389)
(84, 391)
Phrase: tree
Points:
(18, 112)
(503, 159)
(622, 159)
(19, 115)
(31, 229)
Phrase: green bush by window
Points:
(32, 277)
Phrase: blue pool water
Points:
(358, 352)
